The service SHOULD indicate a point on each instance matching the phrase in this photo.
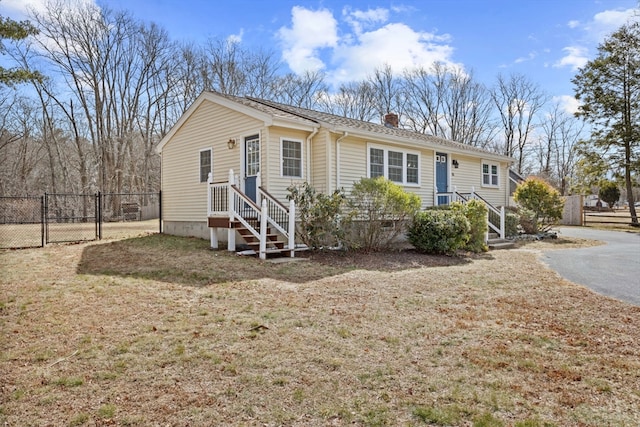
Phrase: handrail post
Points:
(292, 228)
(209, 182)
(263, 230)
(231, 231)
(502, 220)
(213, 231)
(473, 193)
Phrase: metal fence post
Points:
(46, 219)
(42, 219)
(98, 210)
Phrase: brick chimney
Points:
(391, 120)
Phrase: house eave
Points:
(418, 143)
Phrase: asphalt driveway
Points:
(612, 269)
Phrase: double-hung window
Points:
(396, 165)
(291, 153)
(206, 164)
(490, 174)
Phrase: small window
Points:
(395, 166)
(376, 162)
(412, 168)
(205, 165)
(292, 158)
(490, 174)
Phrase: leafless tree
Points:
(518, 100)
(387, 89)
(114, 71)
(301, 90)
(355, 100)
(448, 102)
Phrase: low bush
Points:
(439, 231)
(511, 223)
(319, 215)
(378, 212)
(541, 205)
(476, 213)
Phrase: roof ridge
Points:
(277, 106)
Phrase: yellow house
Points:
(255, 149)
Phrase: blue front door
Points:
(442, 178)
(251, 165)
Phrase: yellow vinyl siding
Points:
(353, 166)
(321, 150)
(468, 176)
(276, 184)
(210, 126)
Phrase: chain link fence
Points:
(22, 222)
(56, 218)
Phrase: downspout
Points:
(344, 135)
(309, 138)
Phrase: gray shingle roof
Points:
(342, 124)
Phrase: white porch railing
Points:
(226, 200)
(495, 216)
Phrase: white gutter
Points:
(344, 135)
(308, 156)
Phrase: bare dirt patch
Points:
(159, 330)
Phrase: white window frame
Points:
(210, 150)
(405, 152)
(299, 141)
(489, 164)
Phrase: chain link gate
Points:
(71, 217)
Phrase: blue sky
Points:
(547, 40)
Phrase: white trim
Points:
(210, 150)
(302, 151)
(404, 151)
(482, 174)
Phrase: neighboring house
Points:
(270, 146)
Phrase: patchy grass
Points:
(159, 330)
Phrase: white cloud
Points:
(529, 57)
(573, 24)
(606, 22)
(235, 38)
(20, 9)
(395, 44)
(367, 42)
(568, 103)
(576, 57)
(310, 31)
(359, 19)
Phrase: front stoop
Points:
(495, 244)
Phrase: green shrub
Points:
(511, 222)
(527, 221)
(609, 193)
(319, 215)
(476, 213)
(378, 211)
(544, 201)
(439, 231)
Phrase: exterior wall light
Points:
(455, 163)
(231, 143)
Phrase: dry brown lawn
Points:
(159, 330)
